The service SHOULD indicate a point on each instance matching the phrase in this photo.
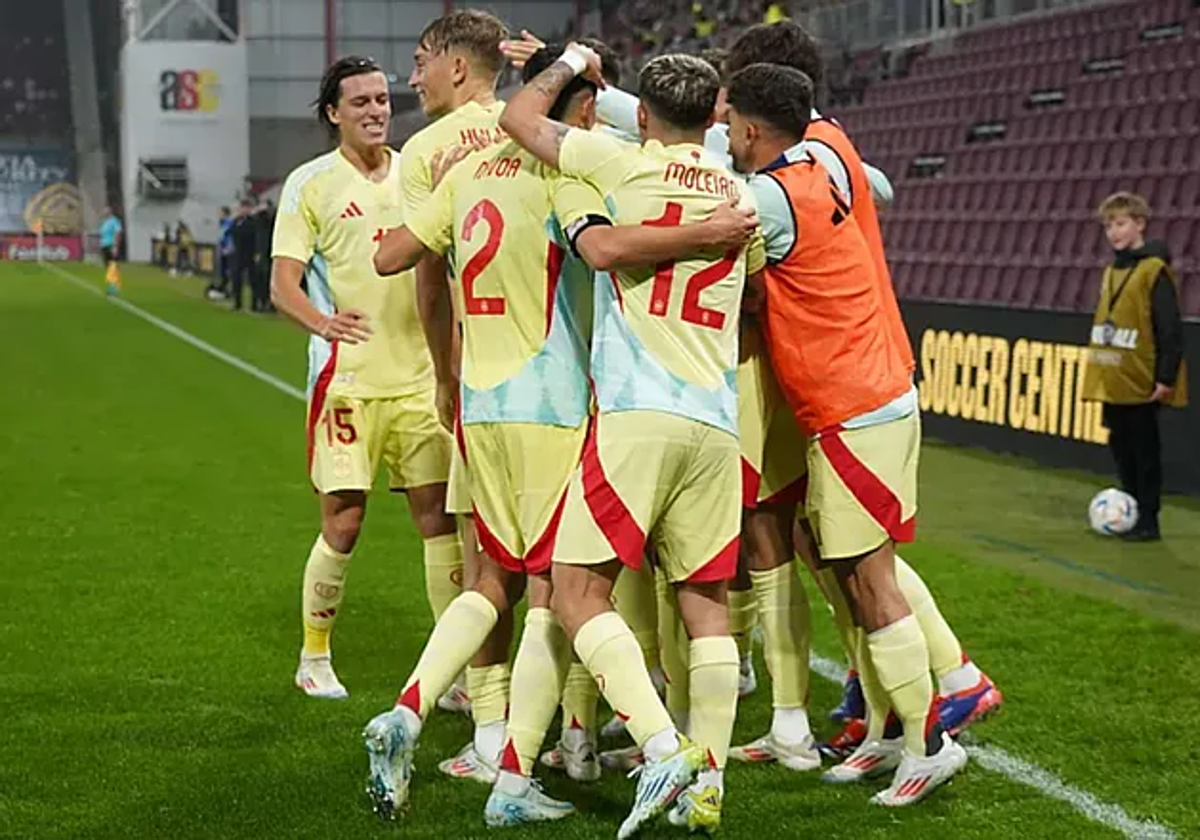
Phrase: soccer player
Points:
(111, 231)
(841, 369)
(510, 221)
(966, 693)
(370, 382)
(662, 461)
(455, 69)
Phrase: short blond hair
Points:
(473, 31)
(1127, 203)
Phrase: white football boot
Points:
(870, 759)
(799, 757)
(315, 677)
(469, 764)
(918, 776)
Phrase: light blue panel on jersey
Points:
(629, 378)
(552, 387)
(316, 277)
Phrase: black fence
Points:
(1009, 381)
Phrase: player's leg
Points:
(966, 694)
(786, 628)
(418, 454)
(862, 500)
(391, 737)
(698, 541)
(612, 503)
(344, 445)
(635, 597)
(743, 617)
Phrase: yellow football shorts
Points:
(518, 482)
(774, 450)
(862, 489)
(458, 486)
(657, 477)
(349, 436)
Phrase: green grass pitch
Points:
(154, 521)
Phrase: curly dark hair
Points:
(777, 95)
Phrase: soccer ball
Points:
(1112, 511)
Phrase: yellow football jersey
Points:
(666, 336)
(471, 125)
(330, 218)
(526, 297)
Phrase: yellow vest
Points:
(1122, 352)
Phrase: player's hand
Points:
(595, 66)
(349, 327)
(520, 51)
(447, 402)
(444, 161)
(1162, 393)
(732, 226)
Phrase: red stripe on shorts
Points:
(555, 256)
(316, 404)
(538, 558)
(721, 567)
(793, 494)
(494, 548)
(751, 481)
(612, 517)
(876, 497)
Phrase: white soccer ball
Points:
(1112, 511)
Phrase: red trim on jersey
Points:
(617, 290)
(411, 698)
(721, 567)
(751, 481)
(876, 497)
(316, 404)
(608, 510)
(555, 256)
(541, 554)
(494, 548)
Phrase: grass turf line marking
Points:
(1071, 565)
(181, 334)
(1043, 781)
(991, 758)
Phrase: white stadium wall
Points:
(183, 100)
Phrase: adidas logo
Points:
(352, 211)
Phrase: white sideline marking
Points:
(1043, 781)
(991, 758)
(182, 335)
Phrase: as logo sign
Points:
(188, 90)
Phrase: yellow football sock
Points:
(674, 651)
(843, 619)
(324, 588)
(875, 697)
(579, 699)
(783, 615)
(608, 649)
(714, 681)
(443, 571)
(634, 598)
(742, 616)
(487, 687)
(899, 654)
(945, 653)
(538, 674)
(456, 637)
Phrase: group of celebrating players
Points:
(627, 363)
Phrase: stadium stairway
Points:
(1003, 142)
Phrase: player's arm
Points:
(606, 247)
(525, 117)
(881, 187)
(398, 251)
(293, 244)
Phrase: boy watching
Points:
(1135, 362)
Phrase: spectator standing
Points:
(111, 231)
(1135, 360)
(219, 288)
(185, 245)
(264, 226)
(245, 250)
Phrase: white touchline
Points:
(1043, 781)
(991, 758)
(182, 335)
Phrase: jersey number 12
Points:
(664, 277)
